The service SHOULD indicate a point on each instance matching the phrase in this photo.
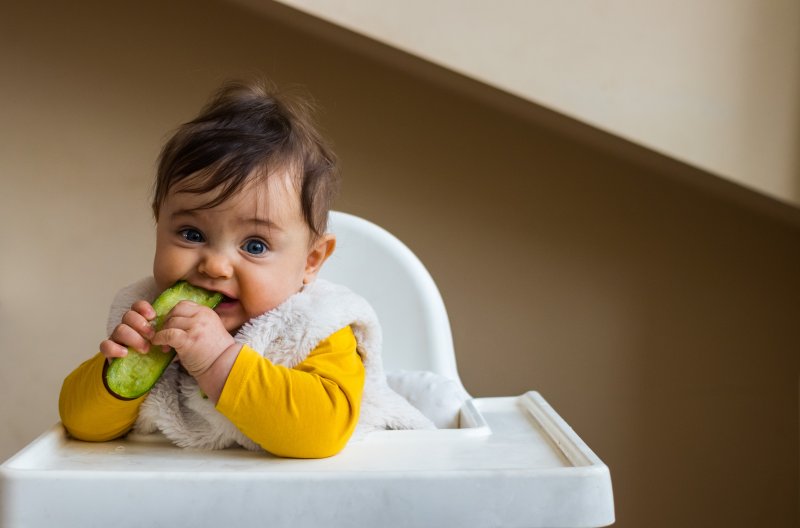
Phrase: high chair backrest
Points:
(375, 264)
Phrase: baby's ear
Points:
(320, 250)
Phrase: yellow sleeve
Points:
(88, 410)
(308, 411)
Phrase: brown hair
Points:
(246, 127)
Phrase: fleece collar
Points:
(286, 336)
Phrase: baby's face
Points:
(253, 248)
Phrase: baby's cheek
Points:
(255, 307)
(162, 277)
(168, 267)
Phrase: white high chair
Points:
(508, 461)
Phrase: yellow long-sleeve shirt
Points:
(309, 411)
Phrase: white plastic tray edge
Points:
(565, 438)
(583, 484)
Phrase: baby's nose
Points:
(216, 265)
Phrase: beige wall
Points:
(659, 320)
(711, 83)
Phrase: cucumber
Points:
(135, 374)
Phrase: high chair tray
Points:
(513, 462)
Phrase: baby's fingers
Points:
(111, 350)
(172, 337)
(138, 323)
(128, 337)
(145, 309)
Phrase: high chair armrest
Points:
(437, 397)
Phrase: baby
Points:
(285, 363)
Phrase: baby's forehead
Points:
(274, 196)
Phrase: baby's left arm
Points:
(309, 411)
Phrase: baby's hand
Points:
(134, 331)
(197, 334)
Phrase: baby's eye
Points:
(255, 247)
(192, 235)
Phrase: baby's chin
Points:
(231, 316)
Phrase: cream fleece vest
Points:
(285, 335)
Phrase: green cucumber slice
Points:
(135, 374)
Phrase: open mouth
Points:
(227, 301)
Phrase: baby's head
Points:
(241, 200)
(249, 131)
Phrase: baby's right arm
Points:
(87, 409)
